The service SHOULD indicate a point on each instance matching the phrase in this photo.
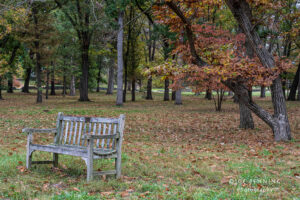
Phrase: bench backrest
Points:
(71, 130)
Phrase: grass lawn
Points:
(169, 152)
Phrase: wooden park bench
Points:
(86, 137)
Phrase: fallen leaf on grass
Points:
(226, 179)
(76, 189)
(106, 193)
(124, 194)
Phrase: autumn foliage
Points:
(223, 51)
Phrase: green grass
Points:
(169, 152)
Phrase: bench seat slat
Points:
(73, 150)
(89, 119)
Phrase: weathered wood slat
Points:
(84, 133)
(79, 134)
(114, 140)
(109, 133)
(75, 133)
(61, 131)
(70, 150)
(89, 119)
(110, 172)
(99, 132)
(70, 134)
(66, 132)
(104, 130)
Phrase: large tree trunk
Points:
(133, 89)
(10, 83)
(39, 97)
(120, 60)
(208, 95)
(262, 92)
(178, 99)
(279, 121)
(149, 89)
(166, 92)
(246, 120)
(25, 88)
(83, 89)
(47, 84)
(72, 86)
(293, 91)
(98, 78)
(64, 90)
(52, 92)
(111, 72)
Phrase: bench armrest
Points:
(99, 136)
(34, 130)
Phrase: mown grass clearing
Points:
(169, 152)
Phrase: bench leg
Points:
(89, 160)
(89, 169)
(29, 158)
(118, 166)
(55, 159)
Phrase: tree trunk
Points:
(125, 84)
(133, 90)
(72, 86)
(39, 98)
(47, 84)
(208, 95)
(262, 92)
(110, 85)
(64, 91)
(166, 93)
(120, 60)
(84, 87)
(10, 83)
(178, 100)
(173, 95)
(52, 92)
(246, 120)
(149, 89)
(279, 121)
(99, 78)
(25, 88)
(293, 91)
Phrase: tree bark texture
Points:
(120, 60)
(83, 89)
(262, 92)
(52, 92)
(25, 88)
(72, 86)
(133, 90)
(246, 120)
(10, 83)
(149, 89)
(47, 83)
(293, 91)
(279, 121)
(166, 92)
(111, 72)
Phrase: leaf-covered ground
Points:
(169, 152)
